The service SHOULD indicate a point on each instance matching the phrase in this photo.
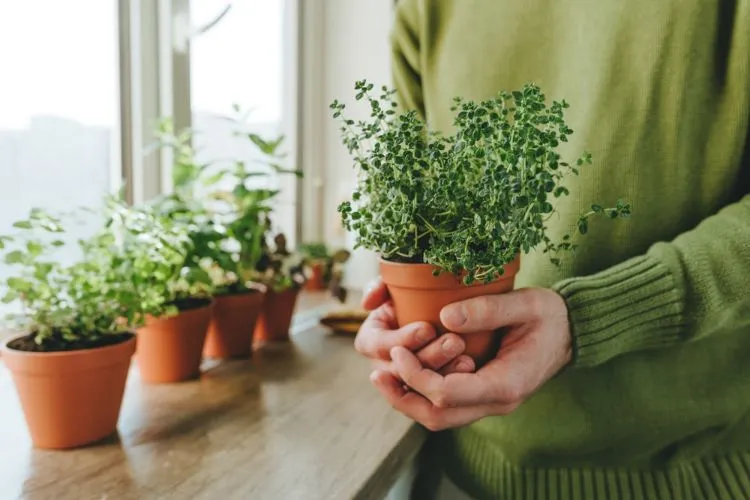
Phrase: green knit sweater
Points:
(657, 401)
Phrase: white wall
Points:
(354, 46)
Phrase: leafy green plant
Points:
(314, 251)
(468, 202)
(225, 214)
(279, 268)
(123, 273)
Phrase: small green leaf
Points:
(22, 224)
(34, 248)
(14, 257)
(10, 296)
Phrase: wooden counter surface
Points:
(300, 421)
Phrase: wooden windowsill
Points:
(296, 421)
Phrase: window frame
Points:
(155, 82)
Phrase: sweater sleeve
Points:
(405, 57)
(692, 287)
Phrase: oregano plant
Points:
(467, 202)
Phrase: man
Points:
(625, 373)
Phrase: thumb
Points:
(375, 295)
(490, 312)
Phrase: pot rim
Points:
(4, 349)
(415, 275)
(208, 307)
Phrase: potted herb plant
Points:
(230, 202)
(247, 203)
(71, 364)
(323, 265)
(316, 256)
(283, 273)
(451, 214)
(171, 341)
(170, 344)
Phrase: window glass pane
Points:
(59, 131)
(240, 61)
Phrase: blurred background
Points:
(85, 82)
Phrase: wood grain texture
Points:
(299, 421)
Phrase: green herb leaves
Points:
(469, 202)
(118, 278)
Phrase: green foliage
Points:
(468, 202)
(123, 274)
(226, 217)
(278, 267)
(315, 251)
(145, 259)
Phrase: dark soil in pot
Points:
(56, 343)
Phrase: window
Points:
(59, 124)
(86, 81)
(240, 62)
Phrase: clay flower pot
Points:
(419, 296)
(317, 276)
(230, 333)
(70, 398)
(170, 349)
(276, 316)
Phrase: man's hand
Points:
(380, 333)
(536, 346)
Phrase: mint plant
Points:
(224, 212)
(468, 202)
(123, 274)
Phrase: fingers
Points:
(455, 389)
(376, 337)
(437, 354)
(490, 312)
(462, 364)
(376, 294)
(417, 407)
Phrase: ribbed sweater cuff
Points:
(632, 306)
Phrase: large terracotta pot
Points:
(70, 398)
(419, 296)
(317, 276)
(276, 316)
(170, 349)
(230, 333)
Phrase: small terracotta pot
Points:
(317, 278)
(70, 398)
(170, 349)
(230, 333)
(276, 316)
(419, 296)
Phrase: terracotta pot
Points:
(276, 316)
(170, 349)
(419, 296)
(317, 278)
(230, 333)
(70, 398)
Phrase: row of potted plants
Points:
(196, 273)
